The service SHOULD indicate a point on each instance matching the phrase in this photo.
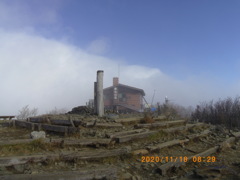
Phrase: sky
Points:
(50, 50)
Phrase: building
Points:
(123, 98)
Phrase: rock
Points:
(19, 168)
(112, 116)
(135, 178)
(135, 144)
(34, 172)
(140, 152)
(27, 172)
(83, 110)
(127, 176)
(61, 164)
(38, 134)
(138, 178)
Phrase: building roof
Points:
(128, 87)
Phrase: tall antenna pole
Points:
(118, 71)
(153, 97)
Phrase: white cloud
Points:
(99, 46)
(46, 73)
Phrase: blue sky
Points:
(186, 37)
(187, 50)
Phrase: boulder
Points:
(38, 134)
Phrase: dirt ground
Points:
(222, 165)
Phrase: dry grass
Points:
(35, 146)
(157, 136)
(147, 118)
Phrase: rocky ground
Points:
(119, 148)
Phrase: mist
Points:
(46, 73)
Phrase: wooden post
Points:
(14, 123)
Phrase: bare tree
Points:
(175, 110)
(57, 111)
(225, 112)
(26, 112)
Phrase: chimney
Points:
(115, 81)
(99, 93)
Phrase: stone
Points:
(112, 116)
(152, 165)
(234, 147)
(140, 152)
(38, 135)
(138, 178)
(19, 168)
(126, 176)
(134, 178)
(34, 172)
(61, 164)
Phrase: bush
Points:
(26, 112)
(57, 111)
(172, 111)
(225, 112)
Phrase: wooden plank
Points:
(106, 172)
(236, 134)
(124, 133)
(6, 124)
(109, 125)
(196, 125)
(129, 120)
(82, 142)
(174, 129)
(94, 155)
(152, 125)
(166, 144)
(25, 124)
(161, 124)
(38, 119)
(62, 122)
(65, 156)
(130, 137)
(71, 121)
(54, 128)
(176, 122)
(15, 141)
(65, 141)
(160, 118)
(165, 167)
(227, 143)
(204, 133)
(72, 130)
(206, 153)
(7, 117)
(9, 161)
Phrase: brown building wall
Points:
(134, 100)
(130, 98)
(125, 96)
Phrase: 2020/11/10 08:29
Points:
(178, 159)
